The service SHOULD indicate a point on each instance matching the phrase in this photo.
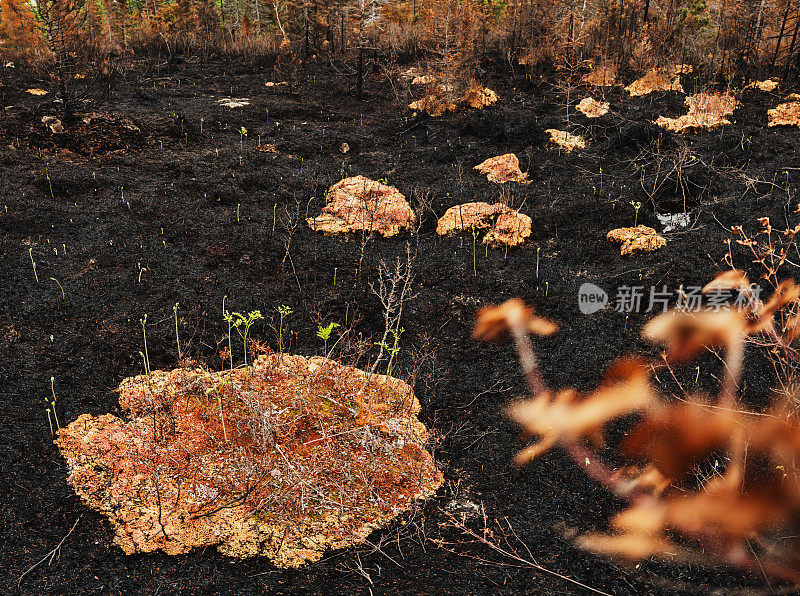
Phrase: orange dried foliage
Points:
(358, 204)
(506, 226)
(785, 114)
(591, 108)
(707, 111)
(636, 240)
(503, 168)
(654, 80)
(297, 466)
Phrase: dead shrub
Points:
(743, 514)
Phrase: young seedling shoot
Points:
(474, 230)
(53, 403)
(284, 311)
(242, 135)
(324, 333)
(145, 356)
(636, 206)
(242, 325)
(60, 287)
(177, 339)
(394, 349)
(35, 275)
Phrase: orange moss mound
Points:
(359, 204)
(442, 100)
(299, 464)
(767, 86)
(786, 114)
(602, 76)
(706, 112)
(638, 239)
(654, 80)
(503, 168)
(592, 108)
(566, 141)
(506, 226)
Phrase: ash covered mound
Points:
(285, 458)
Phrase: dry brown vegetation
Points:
(285, 458)
(358, 204)
(506, 226)
(443, 100)
(636, 240)
(654, 80)
(566, 140)
(785, 114)
(592, 108)
(707, 111)
(503, 168)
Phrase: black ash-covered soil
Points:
(190, 211)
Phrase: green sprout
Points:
(636, 206)
(242, 325)
(283, 311)
(60, 287)
(53, 403)
(145, 356)
(324, 333)
(242, 135)
(538, 248)
(474, 239)
(36, 275)
(394, 349)
(177, 339)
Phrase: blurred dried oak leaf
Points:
(359, 204)
(569, 416)
(494, 323)
(674, 437)
(686, 334)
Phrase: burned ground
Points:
(190, 211)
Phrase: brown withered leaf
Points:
(723, 512)
(786, 293)
(673, 437)
(571, 417)
(631, 547)
(732, 279)
(687, 334)
(494, 322)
